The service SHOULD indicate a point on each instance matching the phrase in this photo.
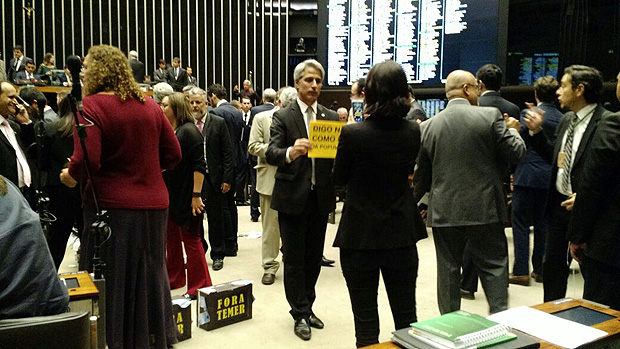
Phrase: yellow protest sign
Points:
(324, 138)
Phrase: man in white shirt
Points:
(580, 90)
(13, 162)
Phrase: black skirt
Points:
(138, 304)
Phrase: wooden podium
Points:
(612, 326)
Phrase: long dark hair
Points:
(65, 120)
(386, 91)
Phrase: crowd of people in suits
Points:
(215, 156)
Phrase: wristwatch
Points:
(196, 194)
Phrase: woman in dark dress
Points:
(65, 203)
(380, 224)
(129, 142)
(185, 215)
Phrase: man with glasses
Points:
(459, 165)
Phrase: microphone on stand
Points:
(74, 64)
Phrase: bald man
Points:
(463, 151)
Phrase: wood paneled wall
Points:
(224, 41)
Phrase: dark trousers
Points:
(254, 197)
(214, 200)
(556, 259)
(528, 209)
(303, 237)
(469, 278)
(361, 268)
(489, 253)
(242, 180)
(601, 282)
(231, 220)
(66, 205)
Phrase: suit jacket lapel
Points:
(206, 129)
(560, 135)
(588, 132)
(5, 140)
(298, 118)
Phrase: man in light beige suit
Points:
(265, 179)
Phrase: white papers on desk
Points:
(547, 327)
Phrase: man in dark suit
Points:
(580, 90)
(303, 194)
(416, 112)
(463, 148)
(18, 63)
(160, 74)
(177, 78)
(234, 124)
(27, 76)
(531, 180)
(191, 79)
(269, 100)
(243, 173)
(13, 160)
(594, 230)
(218, 151)
(489, 78)
(137, 67)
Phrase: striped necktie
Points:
(568, 151)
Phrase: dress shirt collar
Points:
(220, 102)
(487, 91)
(304, 106)
(585, 111)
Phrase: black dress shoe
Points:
(302, 329)
(218, 264)
(326, 262)
(268, 279)
(316, 322)
(254, 219)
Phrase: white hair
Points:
(269, 95)
(287, 96)
(133, 54)
(299, 69)
(162, 90)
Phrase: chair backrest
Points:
(66, 330)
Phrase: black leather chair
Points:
(66, 330)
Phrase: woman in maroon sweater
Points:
(185, 215)
(129, 143)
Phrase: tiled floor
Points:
(272, 326)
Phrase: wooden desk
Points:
(87, 288)
(612, 327)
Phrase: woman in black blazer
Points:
(380, 224)
(185, 213)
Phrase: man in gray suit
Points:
(265, 180)
(464, 149)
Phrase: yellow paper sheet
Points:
(324, 138)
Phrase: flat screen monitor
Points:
(432, 106)
(526, 68)
(584, 316)
(429, 38)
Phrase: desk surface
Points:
(87, 288)
(612, 327)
